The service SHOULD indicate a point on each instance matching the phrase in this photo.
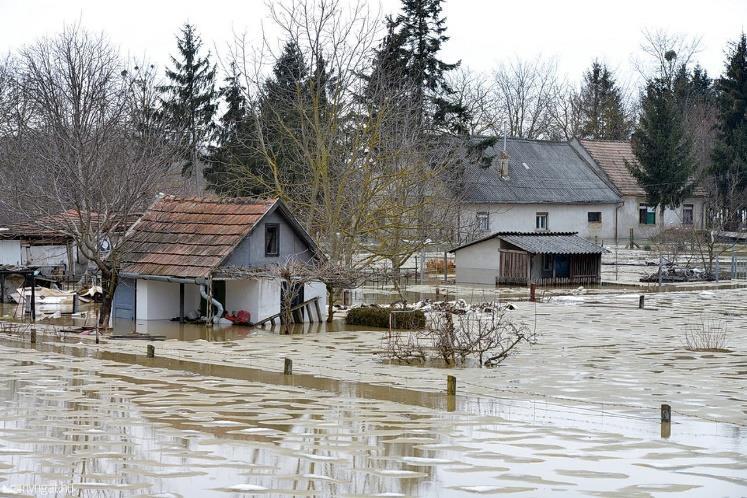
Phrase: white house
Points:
(610, 159)
(537, 186)
(183, 251)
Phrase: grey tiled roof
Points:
(543, 242)
(553, 244)
(539, 172)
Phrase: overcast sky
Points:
(483, 32)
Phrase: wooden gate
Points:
(514, 267)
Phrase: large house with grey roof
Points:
(610, 160)
(535, 186)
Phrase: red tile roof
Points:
(189, 237)
(611, 156)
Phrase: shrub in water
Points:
(379, 317)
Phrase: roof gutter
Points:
(165, 278)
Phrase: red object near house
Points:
(242, 317)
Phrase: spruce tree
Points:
(417, 36)
(601, 106)
(730, 151)
(189, 100)
(662, 148)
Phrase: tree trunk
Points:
(109, 281)
(330, 302)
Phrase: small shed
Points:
(522, 258)
(185, 252)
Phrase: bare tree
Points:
(526, 92)
(488, 338)
(666, 53)
(475, 91)
(83, 162)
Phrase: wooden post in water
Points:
(532, 292)
(641, 300)
(288, 367)
(33, 336)
(451, 385)
(151, 351)
(632, 242)
(666, 421)
(666, 413)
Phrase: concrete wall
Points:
(251, 251)
(316, 289)
(478, 264)
(628, 218)
(157, 300)
(561, 218)
(260, 297)
(10, 252)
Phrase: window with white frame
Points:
(483, 221)
(540, 221)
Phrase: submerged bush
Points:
(706, 336)
(379, 317)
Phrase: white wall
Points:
(260, 297)
(561, 218)
(628, 218)
(157, 300)
(10, 252)
(479, 263)
(316, 289)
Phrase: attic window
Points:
(272, 240)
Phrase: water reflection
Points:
(97, 427)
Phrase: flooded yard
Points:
(213, 415)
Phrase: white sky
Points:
(482, 32)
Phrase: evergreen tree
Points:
(730, 151)
(189, 100)
(234, 152)
(415, 37)
(662, 148)
(601, 106)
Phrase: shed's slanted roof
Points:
(611, 156)
(539, 171)
(543, 242)
(190, 237)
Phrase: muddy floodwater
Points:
(575, 415)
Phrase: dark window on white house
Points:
(483, 221)
(540, 221)
(646, 215)
(272, 239)
(547, 262)
(594, 216)
(687, 214)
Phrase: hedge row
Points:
(379, 317)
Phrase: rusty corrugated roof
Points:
(189, 237)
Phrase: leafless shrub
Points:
(707, 335)
(488, 338)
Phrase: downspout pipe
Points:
(201, 282)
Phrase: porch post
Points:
(33, 297)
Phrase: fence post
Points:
(151, 351)
(532, 292)
(450, 385)
(33, 336)
(446, 267)
(666, 420)
(718, 268)
(641, 300)
(288, 367)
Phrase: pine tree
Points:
(662, 148)
(417, 35)
(234, 154)
(189, 100)
(601, 106)
(730, 151)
